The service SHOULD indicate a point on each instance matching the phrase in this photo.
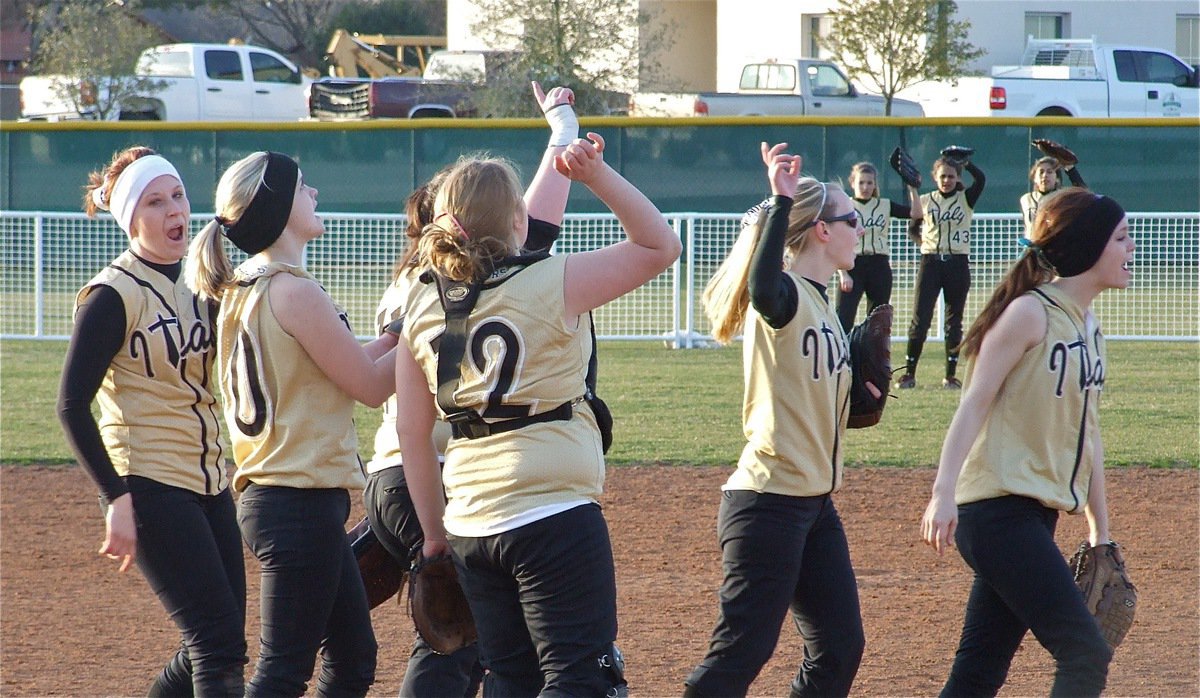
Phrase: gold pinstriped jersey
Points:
(796, 400)
(1041, 434)
(387, 443)
(521, 359)
(289, 424)
(947, 223)
(158, 414)
(875, 214)
(1029, 207)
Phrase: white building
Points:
(714, 38)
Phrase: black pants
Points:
(782, 553)
(312, 594)
(188, 550)
(949, 275)
(872, 275)
(1022, 582)
(544, 597)
(394, 521)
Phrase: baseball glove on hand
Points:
(957, 154)
(1109, 595)
(904, 166)
(382, 575)
(870, 360)
(438, 606)
(1058, 151)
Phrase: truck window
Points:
(222, 65)
(166, 64)
(826, 81)
(1159, 67)
(1126, 66)
(768, 76)
(268, 68)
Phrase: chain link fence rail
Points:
(45, 257)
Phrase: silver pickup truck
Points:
(792, 87)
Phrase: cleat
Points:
(907, 381)
(951, 383)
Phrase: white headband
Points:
(130, 184)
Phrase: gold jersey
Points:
(522, 359)
(290, 425)
(1040, 436)
(1029, 208)
(947, 223)
(875, 214)
(387, 443)
(158, 414)
(796, 402)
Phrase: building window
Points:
(1187, 38)
(814, 27)
(1046, 25)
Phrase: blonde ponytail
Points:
(208, 269)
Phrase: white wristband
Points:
(564, 125)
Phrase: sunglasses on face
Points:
(850, 218)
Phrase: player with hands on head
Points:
(945, 242)
(291, 371)
(1046, 177)
(1024, 446)
(143, 347)
(782, 542)
(872, 272)
(516, 504)
(387, 501)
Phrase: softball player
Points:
(1045, 178)
(782, 542)
(1025, 445)
(143, 344)
(386, 498)
(872, 272)
(521, 478)
(290, 371)
(944, 267)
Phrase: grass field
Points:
(684, 407)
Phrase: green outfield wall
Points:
(702, 165)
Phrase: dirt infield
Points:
(70, 625)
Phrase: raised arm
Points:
(546, 197)
(596, 277)
(1019, 327)
(305, 311)
(977, 183)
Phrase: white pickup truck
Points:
(197, 82)
(775, 87)
(1077, 77)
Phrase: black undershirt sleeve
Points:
(96, 339)
(772, 294)
(976, 187)
(900, 210)
(542, 235)
(1075, 177)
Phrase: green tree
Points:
(598, 49)
(894, 44)
(90, 50)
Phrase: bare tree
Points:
(598, 49)
(298, 28)
(894, 44)
(91, 49)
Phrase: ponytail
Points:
(208, 270)
(1026, 274)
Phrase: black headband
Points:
(1077, 247)
(267, 215)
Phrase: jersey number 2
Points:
(506, 362)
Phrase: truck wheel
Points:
(431, 114)
(1054, 111)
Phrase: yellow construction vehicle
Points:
(350, 55)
